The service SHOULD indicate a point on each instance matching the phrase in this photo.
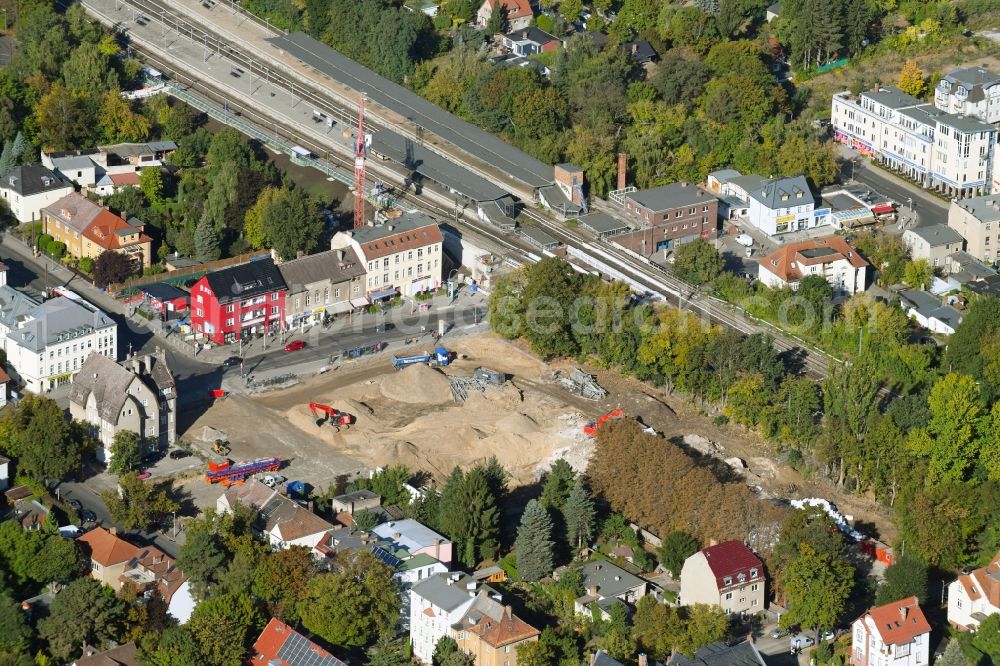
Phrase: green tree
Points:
(386, 652)
(698, 262)
(46, 445)
(118, 122)
(224, 627)
(469, 515)
(679, 79)
(918, 273)
(905, 577)
(140, 504)
(42, 557)
(58, 559)
(388, 483)
(151, 184)
(818, 585)
(126, 453)
(534, 546)
(558, 484)
(85, 611)
(497, 24)
(253, 222)
(704, 625)
(535, 653)
(207, 241)
(88, 71)
(444, 649)
(351, 607)
(953, 656)
(15, 632)
(987, 638)
(281, 579)
(674, 549)
(366, 520)
(201, 558)
(578, 514)
(175, 647)
(571, 10)
(292, 222)
(950, 441)
(11, 152)
(911, 80)
(112, 267)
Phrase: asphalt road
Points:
(929, 209)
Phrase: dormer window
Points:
(727, 580)
(753, 572)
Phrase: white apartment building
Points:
(951, 153)
(402, 256)
(974, 596)
(436, 603)
(896, 634)
(831, 257)
(784, 205)
(30, 188)
(970, 91)
(51, 342)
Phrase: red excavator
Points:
(327, 414)
(591, 428)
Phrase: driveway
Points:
(928, 208)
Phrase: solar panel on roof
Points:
(385, 557)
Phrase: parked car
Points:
(745, 240)
(295, 345)
(778, 632)
(145, 474)
(177, 454)
(88, 517)
(230, 362)
(75, 504)
(801, 642)
(273, 480)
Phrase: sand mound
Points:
(417, 384)
(519, 424)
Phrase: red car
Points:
(145, 475)
(295, 345)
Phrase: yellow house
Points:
(109, 555)
(88, 230)
(491, 633)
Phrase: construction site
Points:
(481, 397)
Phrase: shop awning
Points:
(883, 209)
(340, 308)
(382, 294)
(359, 302)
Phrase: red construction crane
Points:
(591, 428)
(331, 415)
(359, 167)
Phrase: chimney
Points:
(340, 255)
(507, 613)
(592, 590)
(396, 536)
(642, 659)
(622, 168)
(635, 49)
(437, 548)
(113, 530)
(902, 613)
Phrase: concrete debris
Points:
(580, 383)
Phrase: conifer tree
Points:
(534, 545)
(578, 513)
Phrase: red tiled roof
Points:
(280, 645)
(508, 629)
(127, 178)
(107, 549)
(103, 231)
(4, 377)
(162, 567)
(515, 8)
(900, 622)
(730, 559)
(988, 580)
(404, 240)
(785, 262)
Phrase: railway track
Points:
(174, 26)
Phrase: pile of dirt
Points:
(518, 424)
(417, 384)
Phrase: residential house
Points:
(109, 556)
(928, 311)
(741, 653)
(896, 634)
(126, 654)
(152, 571)
(408, 567)
(830, 257)
(280, 645)
(933, 242)
(32, 514)
(428, 7)
(436, 604)
(417, 538)
(110, 183)
(530, 41)
(403, 256)
(951, 153)
(72, 166)
(280, 521)
(733, 190)
(359, 500)
(161, 297)
(784, 205)
(961, 268)
(4, 381)
(970, 91)
(30, 188)
(602, 658)
(668, 216)
(52, 341)
(4, 472)
(138, 395)
(977, 220)
(606, 584)
(517, 12)
(491, 633)
(727, 575)
(239, 301)
(321, 284)
(151, 153)
(773, 11)
(640, 51)
(974, 596)
(88, 230)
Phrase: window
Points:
(230, 321)
(409, 255)
(753, 603)
(958, 602)
(298, 302)
(229, 308)
(729, 595)
(420, 269)
(336, 292)
(326, 294)
(274, 310)
(307, 299)
(727, 580)
(201, 313)
(385, 263)
(385, 278)
(754, 587)
(274, 296)
(199, 299)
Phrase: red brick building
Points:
(668, 216)
(239, 301)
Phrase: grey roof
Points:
(985, 208)
(162, 146)
(245, 280)
(972, 76)
(416, 109)
(946, 314)
(937, 234)
(406, 222)
(355, 496)
(137, 149)
(892, 97)
(771, 193)
(601, 658)
(538, 237)
(429, 164)
(15, 306)
(532, 34)
(922, 114)
(106, 380)
(58, 320)
(667, 197)
(163, 291)
(920, 300)
(299, 273)
(748, 183)
(610, 579)
(639, 50)
(554, 198)
(73, 163)
(448, 590)
(725, 175)
(964, 123)
(499, 212)
(412, 535)
(970, 267)
(603, 224)
(721, 654)
(775, 8)
(75, 210)
(32, 179)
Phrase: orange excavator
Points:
(591, 428)
(327, 414)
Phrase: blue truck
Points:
(441, 356)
